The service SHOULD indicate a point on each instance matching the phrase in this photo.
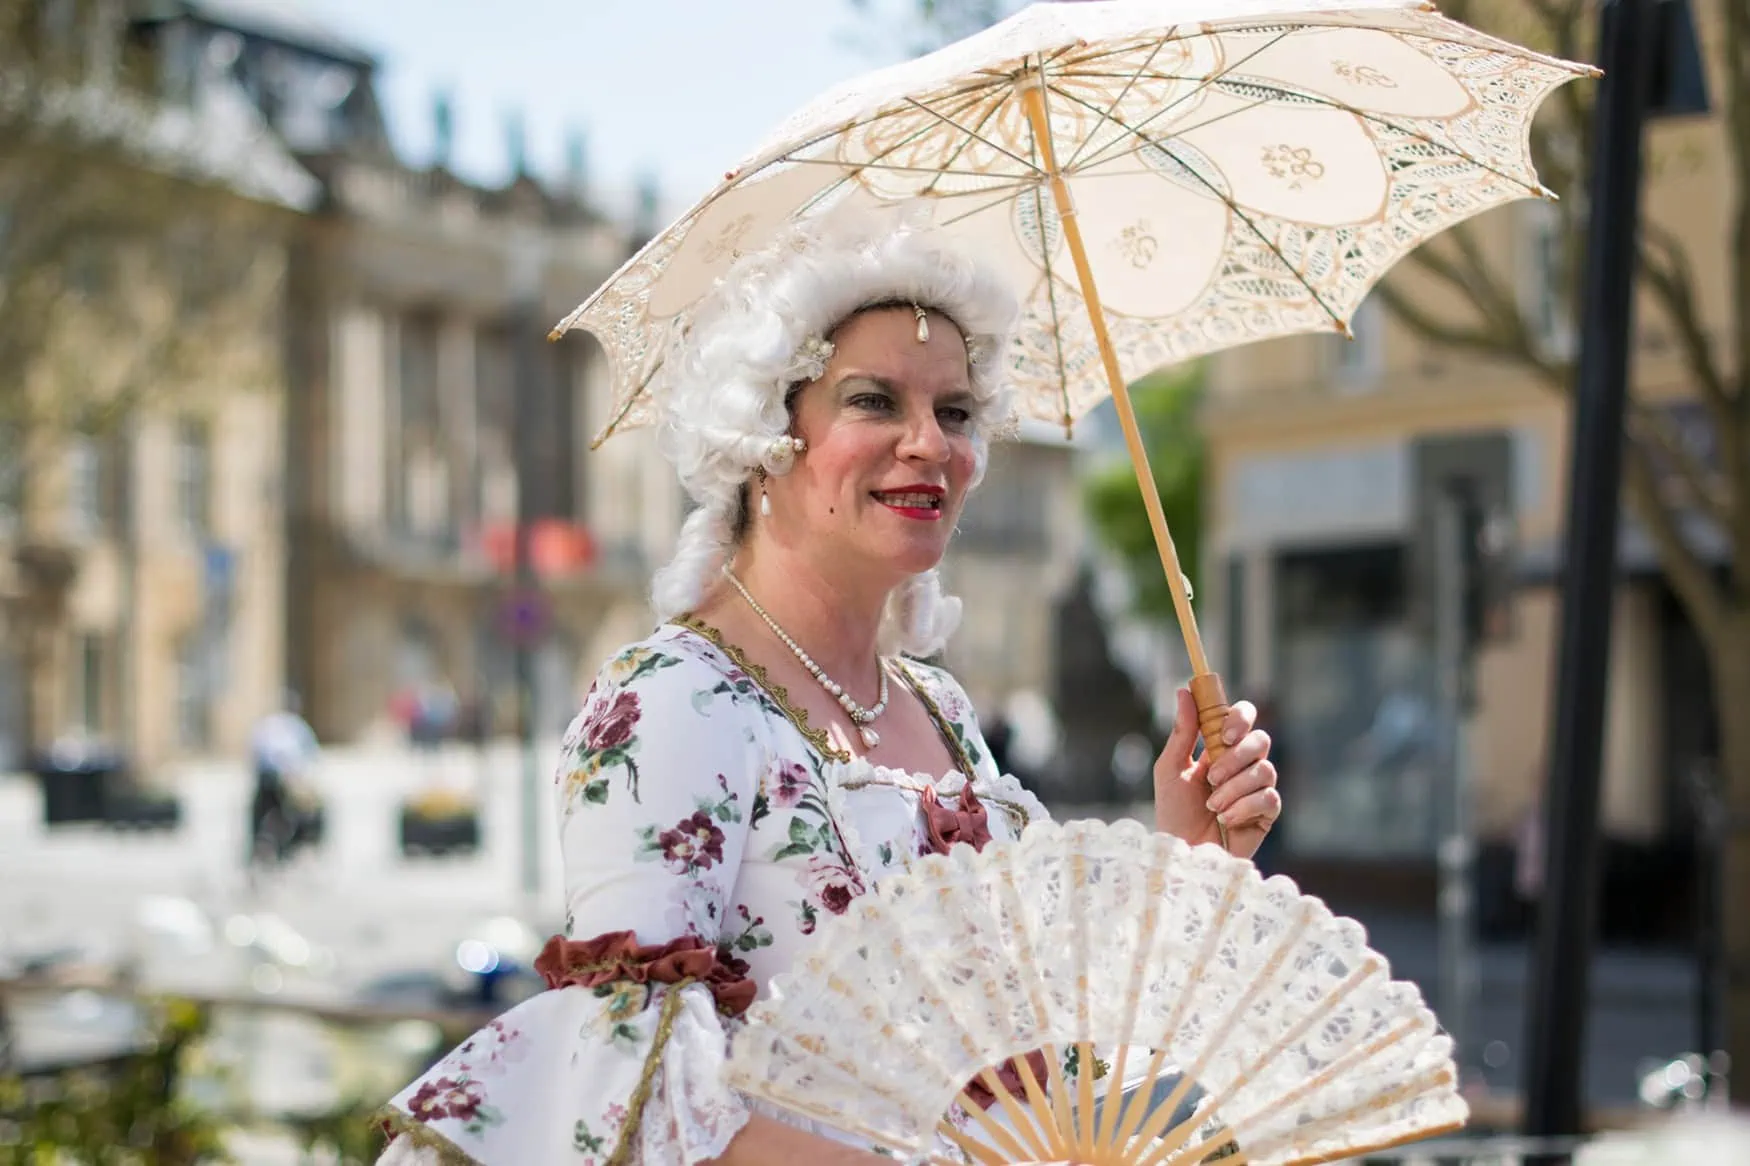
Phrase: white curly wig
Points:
(724, 393)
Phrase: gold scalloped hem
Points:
(423, 1136)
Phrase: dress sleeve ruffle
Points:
(619, 1063)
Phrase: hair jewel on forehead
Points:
(923, 324)
(812, 357)
(814, 353)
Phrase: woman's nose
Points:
(925, 440)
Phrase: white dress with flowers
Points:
(706, 829)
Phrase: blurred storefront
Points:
(1318, 604)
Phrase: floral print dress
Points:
(707, 829)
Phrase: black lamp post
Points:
(1652, 67)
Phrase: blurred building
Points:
(141, 560)
(417, 303)
(1317, 601)
(1013, 562)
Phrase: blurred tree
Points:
(129, 264)
(141, 264)
(129, 1112)
(349, 1135)
(1463, 292)
(1166, 412)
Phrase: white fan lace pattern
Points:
(1300, 1043)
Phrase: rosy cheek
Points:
(962, 463)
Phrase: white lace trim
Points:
(692, 1115)
(1005, 788)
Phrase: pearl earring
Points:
(765, 503)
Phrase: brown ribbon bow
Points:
(968, 822)
(616, 956)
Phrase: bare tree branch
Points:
(1705, 487)
(1666, 269)
(1689, 576)
(1430, 324)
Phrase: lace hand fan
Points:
(1105, 995)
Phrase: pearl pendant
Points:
(870, 737)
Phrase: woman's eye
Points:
(955, 416)
(874, 402)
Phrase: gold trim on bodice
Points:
(774, 691)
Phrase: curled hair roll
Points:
(919, 618)
(706, 540)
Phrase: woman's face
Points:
(889, 428)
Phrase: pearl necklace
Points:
(859, 715)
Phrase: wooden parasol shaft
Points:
(1206, 687)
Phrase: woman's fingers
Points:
(1259, 809)
(1254, 779)
(1252, 748)
(1241, 716)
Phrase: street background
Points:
(285, 456)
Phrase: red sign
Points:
(556, 547)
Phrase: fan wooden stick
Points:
(1206, 686)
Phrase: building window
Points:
(88, 678)
(566, 499)
(57, 21)
(11, 481)
(194, 710)
(1547, 281)
(1235, 599)
(1363, 756)
(1357, 363)
(494, 413)
(418, 381)
(194, 477)
(85, 487)
(419, 502)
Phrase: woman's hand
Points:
(765, 1142)
(1194, 799)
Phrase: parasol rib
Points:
(1118, 98)
(954, 125)
(1202, 83)
(1206, 687)
(965, 144)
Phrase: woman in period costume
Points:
(777, 745)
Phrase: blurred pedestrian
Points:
(282, 749)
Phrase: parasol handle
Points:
(1206, 687)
